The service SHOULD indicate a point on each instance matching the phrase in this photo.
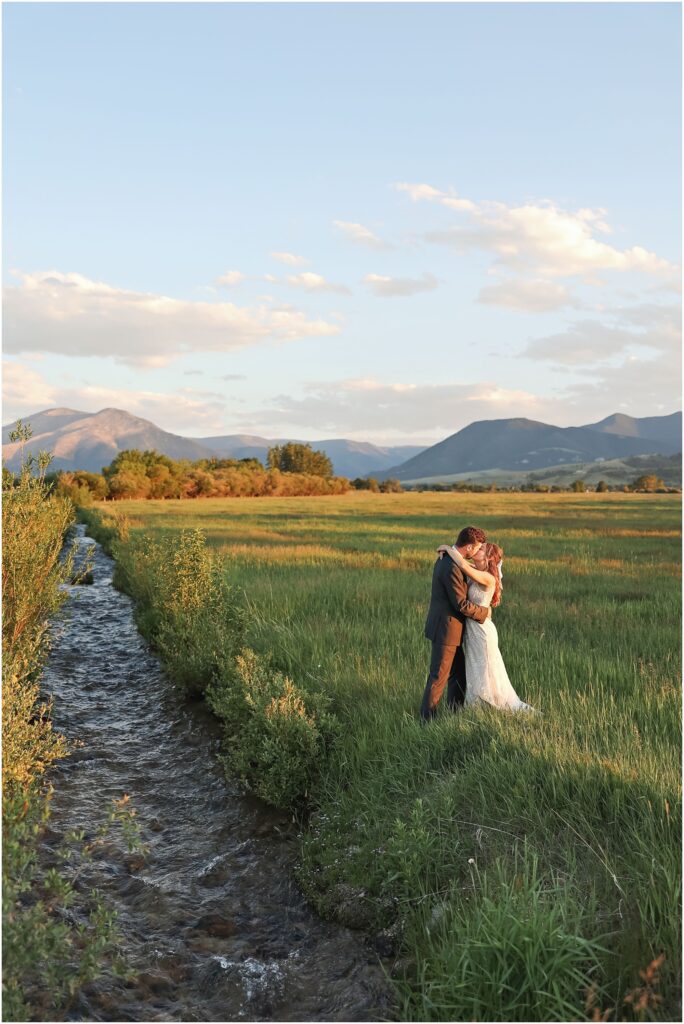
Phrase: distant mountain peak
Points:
(522, 444)
(90, 440)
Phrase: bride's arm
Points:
(485, 578)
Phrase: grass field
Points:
(513, 862)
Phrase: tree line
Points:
(646, 483)
(291, 470)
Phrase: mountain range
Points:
(525, 445)
(81, 440)
(85, 440)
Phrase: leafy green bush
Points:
(185, 605)
(47, 958)
(81, 487)
(276, 736)
(299, 458)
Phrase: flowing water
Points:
(211, 919)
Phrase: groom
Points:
(449, 608)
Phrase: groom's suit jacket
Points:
(449, 604)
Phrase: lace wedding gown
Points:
(486, 676)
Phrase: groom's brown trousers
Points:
(447, 669)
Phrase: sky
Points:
(373, 221)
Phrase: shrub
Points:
(80, 487)
(299, 458)
(647, 482)
(391, 486)
(275, 736)
(185, 606)
(366, 483)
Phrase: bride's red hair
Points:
(494, 554)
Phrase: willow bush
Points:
(276, 735)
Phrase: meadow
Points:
(519, 868)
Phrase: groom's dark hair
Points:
(471, 535)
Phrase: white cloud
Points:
(231, 277)
(353, 406)
(289, 258)
(585, 342)
(417, 192)
(361, 234)
(26, 392)
(631, 362)
(387, 287)
(531, 296)
(72, 315)
(538, 237)
(633, 329)
(428, 192)
(315, 283)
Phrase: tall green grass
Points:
(519, 863)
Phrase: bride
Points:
(486, 676)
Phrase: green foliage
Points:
(47, 956)
(81, 487)
(185, 604)
(366, 483)
(276, 736)
(601, 487)
(108, 527)
(391, 486)
(648, 482)
(299, 458)
(146, 474)
(578, 486)
(515, 953)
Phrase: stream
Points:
(211, 919)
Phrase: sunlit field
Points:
(512, 862)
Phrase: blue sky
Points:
(474, 211)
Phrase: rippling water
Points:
(211, 920)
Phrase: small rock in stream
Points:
(134, 862)
(215, 925)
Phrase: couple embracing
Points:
(466, 585)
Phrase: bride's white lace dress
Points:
(486, 676)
